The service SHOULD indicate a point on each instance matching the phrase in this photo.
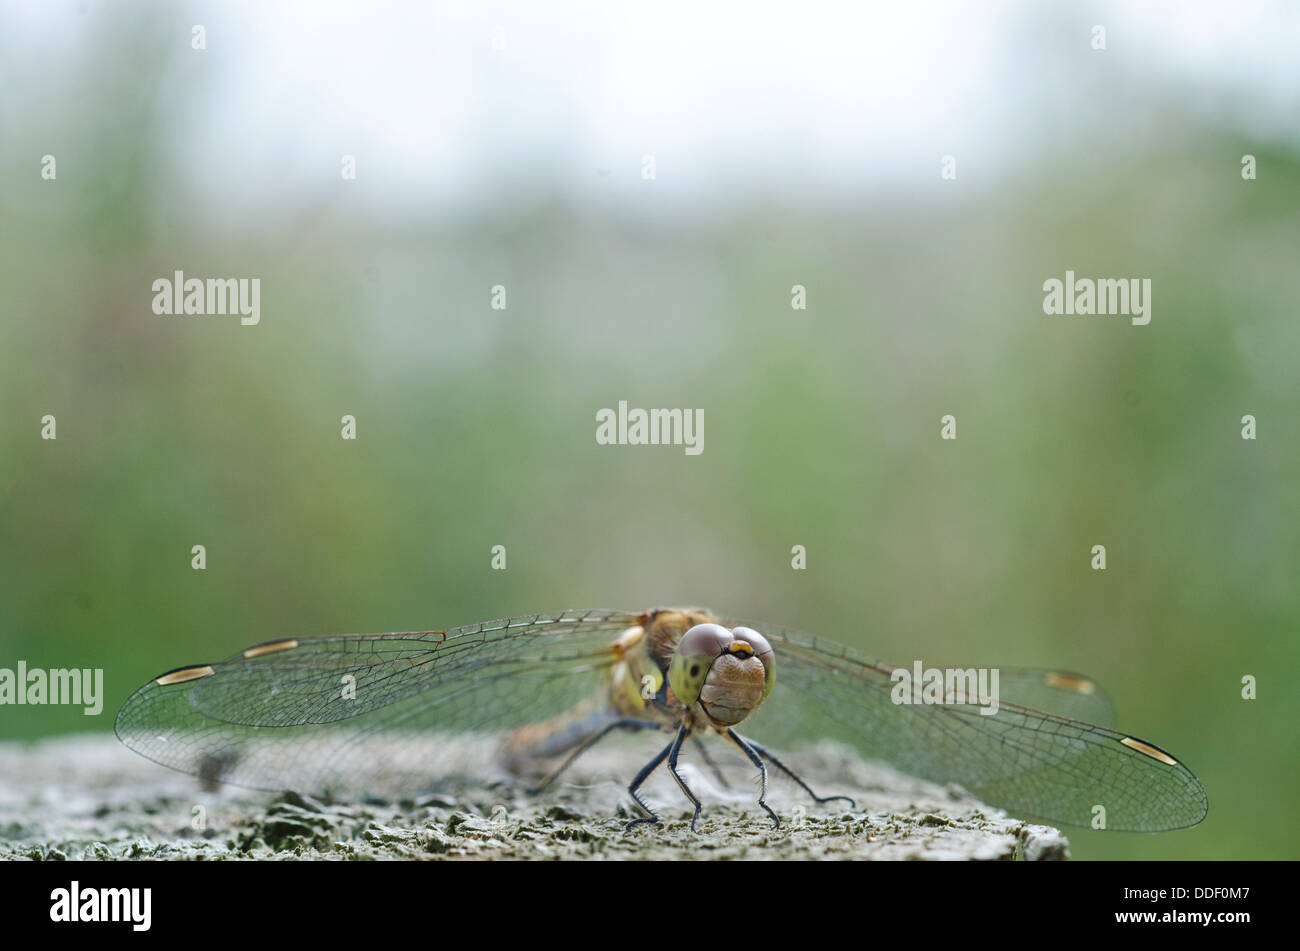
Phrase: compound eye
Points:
(763, 651)
(696, 652)
(705, 640)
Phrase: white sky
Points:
(726, 95)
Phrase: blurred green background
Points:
(476, 426)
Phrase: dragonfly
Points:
(308, 713)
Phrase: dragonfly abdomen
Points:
(524, 747)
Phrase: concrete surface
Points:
(88, 797)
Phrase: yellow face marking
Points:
(741, 647)
(184, 674)
(1070, 682)
(1149, 750)
(272, 648)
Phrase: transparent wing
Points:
(1061, 692)
(352, 712)
(1022, 758)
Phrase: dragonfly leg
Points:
(626, 723)
(640, 778)
(767, 754)
(672, 768)
(708, 761)
(757, 760)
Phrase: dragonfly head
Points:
(729, 673)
